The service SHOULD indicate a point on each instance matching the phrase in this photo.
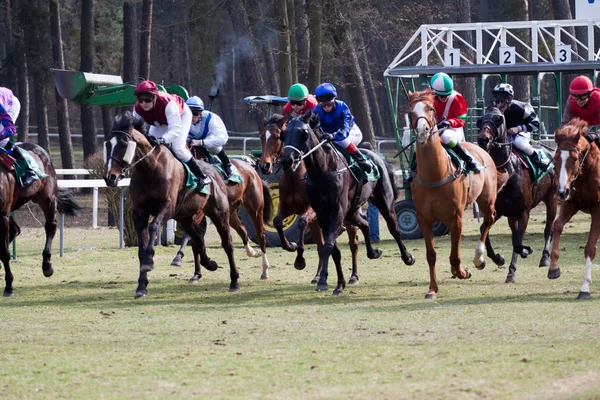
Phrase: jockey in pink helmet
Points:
(170, 120)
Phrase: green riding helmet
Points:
(442, 84)
(297, 92)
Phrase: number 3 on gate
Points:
(507, 55)
(562, 54)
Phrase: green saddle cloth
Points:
(372, 176)
(535, 171)
(192, 182)
(235, 177)
(21, 165)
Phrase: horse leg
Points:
(259, 228)
(5, 255)
(317, 235)
(140, 220)
(358, 220)
(48, 206)
(353, 243)
(519, 246)
(185, 238)
(567, 210)
(238, 226)
(278, 224)
(427, 231)
(455, 237)
(219, 215)
(330, 237)
(336, 255)
(513, 223)
(487, 207)
(392, 223)
(199, 232)
(590, 255)
(300, 262)
(551, 206)
(497, 258)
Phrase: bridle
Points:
(581, 156)
(128, 165)
(495, 142)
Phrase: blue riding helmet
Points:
(195, 103)
(325, 89)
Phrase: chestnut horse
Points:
(254, 195)
(578, 167)
(46, 194)
(518, 192)
(336, 194)
(158, 188)
(441, 193)
(294, 200)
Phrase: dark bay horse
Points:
(46, 194)
(518, 193)
(578, 167)
(158, 188)
(254, 195)
(441, 193)
(336, 196)
(293, 199)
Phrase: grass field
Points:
(80, 333)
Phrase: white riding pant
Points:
(521, 142)
(178, 145)
(355, 137)
(452, 134)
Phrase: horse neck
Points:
(432, 159)
(320, 162)
(150, 164)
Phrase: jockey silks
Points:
(166, 112)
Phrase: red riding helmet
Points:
(581, 85)
(146, 87)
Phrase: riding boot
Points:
(29, 175)
(226, 163)
(196, 170)
(362, 161)
(471, 165)
(536, 159)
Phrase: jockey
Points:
(347, 134)
(170, 120)
(208, 131)
(299, 101)
(451, 114)
(520, 121)
(9, 111)
(584, 103)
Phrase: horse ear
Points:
(315, 121)
(282, 134)
(497, 119)
(306, 116)
(410, 93)
(479, 123)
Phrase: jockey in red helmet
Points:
(584, 101)
(299, 101)
(170, 120)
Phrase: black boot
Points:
(362, 161)
(30, 176)
(471, 165)
(196, 170)
(226, 163)
(536, 159)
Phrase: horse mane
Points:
(415, 97)
(277, 120)
(571, 132)
(125, 121)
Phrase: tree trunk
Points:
(315, 16)
(145, 39)
(41, 114)
(185, 55)
(302, 36)
(23, 85)
(272, 78)
(469, 85)
(373, 99)
(129, 41)
(291, 8)
(251, 73)
(562, 10)
(62, 111)
(285, 49)
(88, 131)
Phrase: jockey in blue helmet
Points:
(346, 134)
(208, 131)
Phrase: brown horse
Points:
(158, 188)
(441, 193)
(578, 167)
(46, 194)
(294, 200)
(254, 195)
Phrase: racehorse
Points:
(45, 193)
(293, 200)
(441, 192)
(518, 192)
(255, 196)
(578, 167)
(158, 188)
(336, 194)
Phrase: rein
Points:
(581, 162)
(127, 168)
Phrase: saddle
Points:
(18, 166)
(358, 171)
(235, 177)
(534, 170)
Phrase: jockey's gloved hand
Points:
(154, 141)
(592, 137)
(327, 136)
(443, 125)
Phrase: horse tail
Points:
(66, 203)
(268, 202)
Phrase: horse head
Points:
(422, 114)
(297, 140)
(127, 136)
(571, 151)
(271, 139)
(492, 128)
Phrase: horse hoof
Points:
(554, 273)
(48, 272)
(140, 293)
(300, 263)
(322, 287)
(430, 296)
(584, 296)
(8, 294)
(315, 280)
(510, 279)
(544, 262)
(147, 267)
(234, 288)
(499, 260)
(264, 277)
(468, 271)
(176, 262)
(376, 254)
(410, 260)
(337, 292)
(353, 280)
(211, 266)
(292, 247)
(481, 266)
